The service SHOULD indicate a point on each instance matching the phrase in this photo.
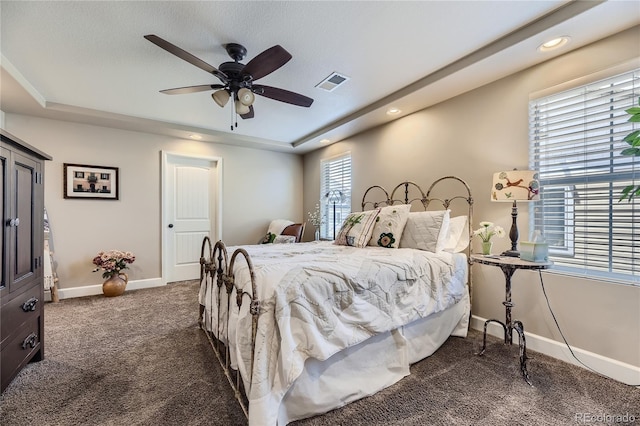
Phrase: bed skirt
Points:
(370, 366)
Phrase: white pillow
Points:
(458, 238)
(277, 226)
(426, 231)
(356, 229)
(389, 226)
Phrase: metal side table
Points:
(509, 265)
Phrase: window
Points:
(576, 137)
(335, 193)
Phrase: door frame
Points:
(217, 223)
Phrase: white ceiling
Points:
(87, 61)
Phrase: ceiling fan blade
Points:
(266, 62)
(282, 95)
(191, 89)
(249, 114)
(183, 54)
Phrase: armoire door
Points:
(22, 223)
(4, 153)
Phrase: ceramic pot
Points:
(486, 247)
(115, 285)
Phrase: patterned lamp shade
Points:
(515, 185)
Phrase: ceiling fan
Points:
(237, 79)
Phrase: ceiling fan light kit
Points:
(242, 109)
(237, 78)
(221, 97)
(246, 96)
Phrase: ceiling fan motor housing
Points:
(231, 69)
(236, 80)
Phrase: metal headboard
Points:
(403, 194)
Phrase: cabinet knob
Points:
(31, 340)
(30, 305)
(171, 225)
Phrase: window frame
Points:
(592, 188)
(342, 181)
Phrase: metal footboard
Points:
(216, 272)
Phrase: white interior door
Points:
(191, 204)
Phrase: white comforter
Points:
(319, 298)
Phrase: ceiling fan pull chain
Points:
(233, 111)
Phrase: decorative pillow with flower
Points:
(389, 226)
(284, 239)
(356, 229)
(269, 238)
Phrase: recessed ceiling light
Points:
(196, 137)
(554, 44)
(325, 141)
(393, 111)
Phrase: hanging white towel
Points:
(48, 270)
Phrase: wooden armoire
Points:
(21, 256)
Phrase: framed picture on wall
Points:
(90, 182)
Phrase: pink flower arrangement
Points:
(112, 262)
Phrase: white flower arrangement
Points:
(316, 217)
(488, 230)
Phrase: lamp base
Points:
(511, 253)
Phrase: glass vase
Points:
(486, 247)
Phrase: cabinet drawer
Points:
(18, 349)
(20, 309)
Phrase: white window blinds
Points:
(576, 138)
(335, 193)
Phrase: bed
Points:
(301, 329)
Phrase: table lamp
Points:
(514, 186)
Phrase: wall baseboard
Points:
(617, 370)
(92, 290)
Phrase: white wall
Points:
(258, 186)
(472, 136)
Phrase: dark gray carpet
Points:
(140, 359)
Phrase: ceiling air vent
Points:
(330, 83)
